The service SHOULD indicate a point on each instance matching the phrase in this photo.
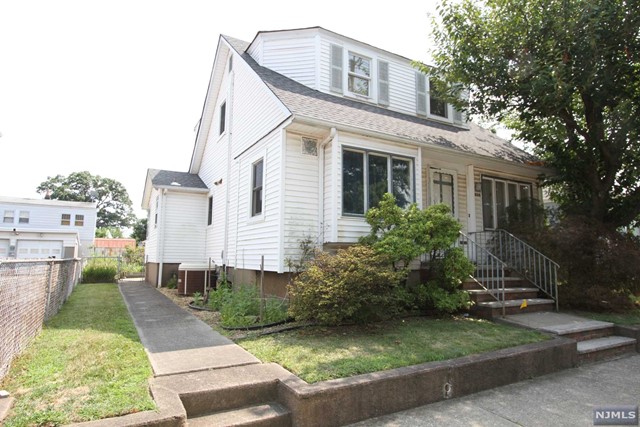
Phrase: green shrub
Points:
(198, 299)
(355, 285)
(241, 307)
(430, 296)
(99, 273)
(172, 283)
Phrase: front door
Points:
(443, 188)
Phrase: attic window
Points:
(359, 76)
(223, 117)
(230, 63)
(309, 146)
(437, 106)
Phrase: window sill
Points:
(256, 219)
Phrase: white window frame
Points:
(494, 207)
(9, 219)
(24, 217)
(432, 190)
(222, 118)
(354, 74)
(365, 159)
(252, 188)
(78, 220)
(447, 106)
(210, 210)
(65, 219)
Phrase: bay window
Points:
(367, 176)
(497, 196)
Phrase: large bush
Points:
(599, 267)
(99, 272)
(357, 284)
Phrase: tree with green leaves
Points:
(565, 76)
(139, 230)
(111, 198)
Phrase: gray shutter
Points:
(457, 116)
(336, 68)
(383, 83)
(421, 93)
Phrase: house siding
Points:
(301, 198)
(185, 219)
(292, 57)
(327, 222)
(253, 237)
(151, 243)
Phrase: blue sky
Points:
(117, 87)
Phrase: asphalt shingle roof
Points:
(177, 179)
(304, 101)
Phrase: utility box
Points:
(193, 277)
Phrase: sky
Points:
(117, 87)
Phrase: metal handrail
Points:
(523, 258)
(489, 272)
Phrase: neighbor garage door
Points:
(4, 248)
(33, 249)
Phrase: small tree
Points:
(139, 230)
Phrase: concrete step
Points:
(481, 295)
(604, 348)
(266, 415)
(509, 282)
(491, 309)
(582, 331)
(220, 390)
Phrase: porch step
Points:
(481, 295)
(268, 415)
(509, 282)
(604, 348)
(491, 309)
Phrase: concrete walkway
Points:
(176, 341)
(565, 398)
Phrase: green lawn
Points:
(318, 354)
(88, 363)
(629, 318)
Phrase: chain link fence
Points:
(31, 292)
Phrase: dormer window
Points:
(437, 106)
(359, 74)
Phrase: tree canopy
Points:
(139, 230)
(111, 198)
(565, 75)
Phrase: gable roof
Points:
(304, 102)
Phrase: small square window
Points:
(8, 217)
(66, 219)
(24, 217)
(79, 222)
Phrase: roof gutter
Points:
(415, 143)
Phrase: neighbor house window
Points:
(367, 176)
(8, 217)
(79, 222)
(437, 106)
(223, 117)
(66, 219)
(210, 211)
(257, 187)
(359, 76)
(24, 217)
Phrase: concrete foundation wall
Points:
(152, 271)
(273, 284)
(344, 401)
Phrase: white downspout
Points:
(225, 247)
(163, 195)
(321, 188)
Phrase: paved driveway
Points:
(566, 398)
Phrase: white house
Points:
(301, 132)
(40, 228)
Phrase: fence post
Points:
(46, 308)
(262, 289)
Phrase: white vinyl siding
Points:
(255, 112)
(256, 236)
(184, 224)
(291, 57)
(301, 209)
(329, 168)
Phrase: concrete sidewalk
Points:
(565, 398)
(176, 341)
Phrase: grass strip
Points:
(86, 364)
(324, 353)
(628, 318)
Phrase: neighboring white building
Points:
(40, 228)
(301, 132)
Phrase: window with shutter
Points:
(421, 93)
(336, 68)
(457, 116)
(383, 83)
